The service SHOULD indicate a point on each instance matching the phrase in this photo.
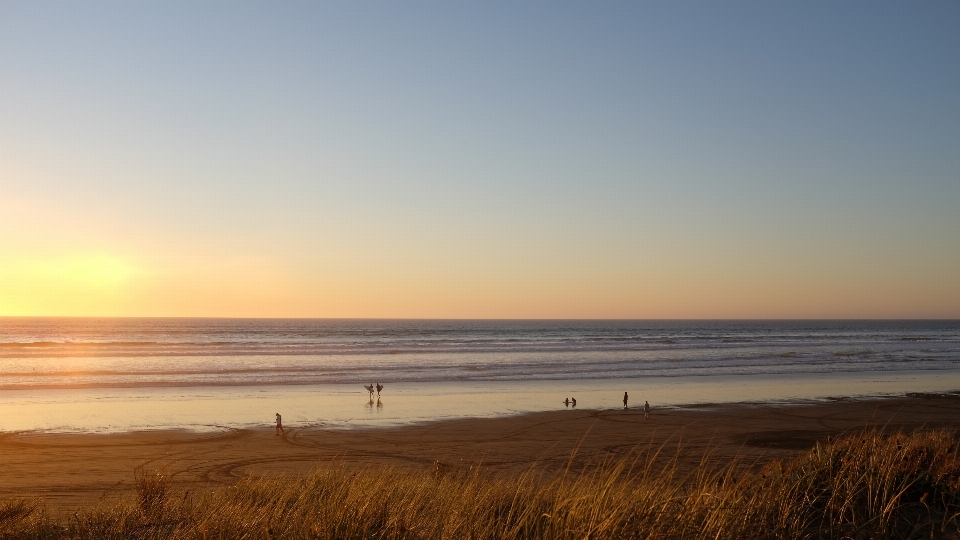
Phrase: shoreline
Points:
(69, 470)
(348, 406)
(699, 407)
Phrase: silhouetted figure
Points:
(624, 400)
(566, 402)
(370, 389)
(379, 388)
(574, 400)
(279, 429)
(646, 409)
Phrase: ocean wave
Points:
(478, 374)
(54, 353)
(864, 352)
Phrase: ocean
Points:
(92, 374)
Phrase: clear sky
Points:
(481, 159)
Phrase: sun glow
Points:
(90, 271)
(68, 284)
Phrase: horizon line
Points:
(532, 319)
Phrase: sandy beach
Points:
(70, 470)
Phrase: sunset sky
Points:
(480, 160)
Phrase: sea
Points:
(110, 374)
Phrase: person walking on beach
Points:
(566, 402)
(574, 400)
(646, 409)
(379, 388)
(624, 400)
(280, 426)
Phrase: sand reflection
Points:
(336, 406)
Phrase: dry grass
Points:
(867, 485)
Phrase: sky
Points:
(480, 159)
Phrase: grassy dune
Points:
(865, 485)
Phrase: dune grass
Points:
(864, 485)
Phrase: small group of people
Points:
(646, 405)
(371, 387)
(567, 402)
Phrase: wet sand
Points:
(70, 470)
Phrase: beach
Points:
(126, 375)
(456, 248)
(70, 470)
(90, 404)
